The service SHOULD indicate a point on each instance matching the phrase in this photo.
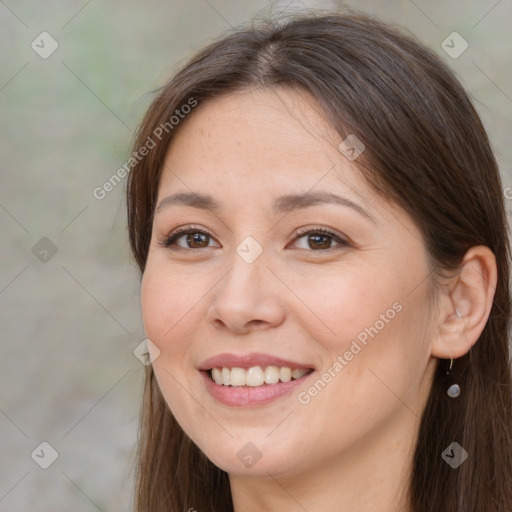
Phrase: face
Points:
(331, 284)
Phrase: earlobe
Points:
(465, 308)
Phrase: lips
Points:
(255, 393)
(247, 361)
(250, 396)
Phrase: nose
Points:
(248, 297)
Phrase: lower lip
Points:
(247, 395)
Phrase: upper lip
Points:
(246, 361)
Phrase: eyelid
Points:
(341, 240)
(169, 240)
(308, 229)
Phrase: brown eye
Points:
(197, 240)
(318, 240)
(188, 239)
(315, 240)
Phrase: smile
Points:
(243, 394)
(256, 376)
(252, 378)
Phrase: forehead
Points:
(261, 138)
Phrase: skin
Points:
(350, 447)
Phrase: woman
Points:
(319, 223)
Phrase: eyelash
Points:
(185, 230)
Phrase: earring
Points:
(454, 390)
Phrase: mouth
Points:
(256, 376)
(252, 379)
(254, 386)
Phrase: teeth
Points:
(226, 376)
(297, 374)
(272, 374)
(255, 376)
(285, 374)
(238, 377)
(217, 375)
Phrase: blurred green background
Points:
(70, 319)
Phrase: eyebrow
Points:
(283, 204)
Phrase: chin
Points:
(249, 460)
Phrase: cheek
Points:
(167, 303)
(168, 317)
(156, 306)
(369, 323)
(343, 302)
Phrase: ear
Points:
(466, 304)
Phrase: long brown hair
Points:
(427, 151)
